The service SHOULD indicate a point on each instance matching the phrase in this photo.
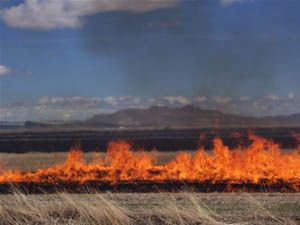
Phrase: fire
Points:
(261, 160)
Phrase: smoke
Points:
(197, 48)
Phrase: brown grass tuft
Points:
(110, 209)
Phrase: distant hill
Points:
(185, 117)
(164, 118)
(11, 125)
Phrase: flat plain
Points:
(36, 160)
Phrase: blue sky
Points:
(148, 49)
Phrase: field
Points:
(36, 160)
(150, 209)
(20, 141)
(140, 208)
(181, 208)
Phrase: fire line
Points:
(262, 160)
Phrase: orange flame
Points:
(263, 159)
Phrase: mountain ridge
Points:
(163, 117)
(187, 117)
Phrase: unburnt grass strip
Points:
(150, 209)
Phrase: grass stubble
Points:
(150, 209)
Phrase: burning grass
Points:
(262, 163)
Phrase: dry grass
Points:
(150, 209)
(32, 161)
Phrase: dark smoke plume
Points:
(198, 48)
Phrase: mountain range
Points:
(157, 117)
(186, 117)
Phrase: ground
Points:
(159, 208)
(36, 160)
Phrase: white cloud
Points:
(4, 70)
(230, 2)
(272, 97)
(110, 100)
(222, 99)
(200, 99)
(52, 14)
(43, 100)
(174, 100)
(5, 113)
(291, 95)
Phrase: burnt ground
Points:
(150, 187)
(164, 140)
